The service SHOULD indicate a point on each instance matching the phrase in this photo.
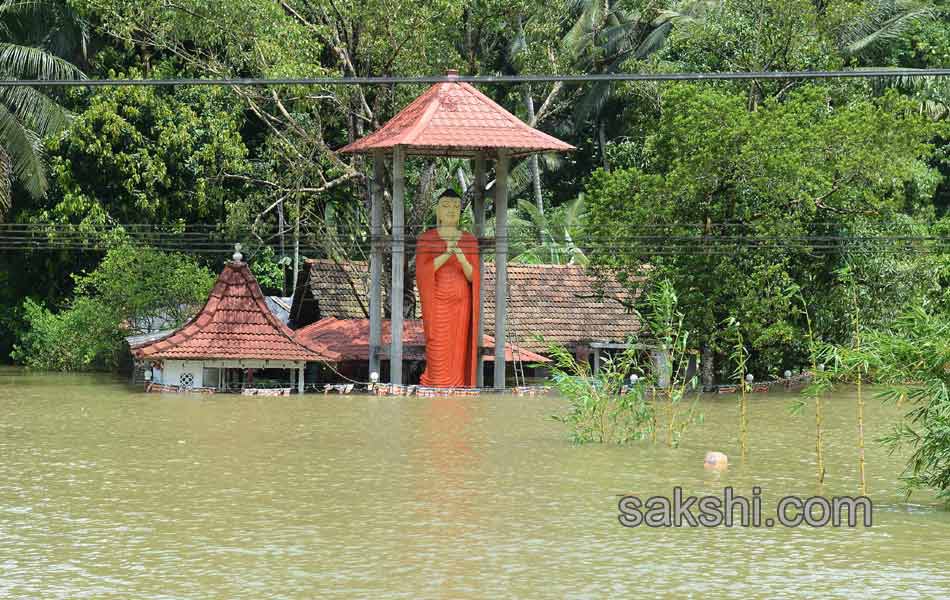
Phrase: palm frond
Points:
(573, 212)
(21, 8)
(6, 189)
(654, 40)
(589, 19)
(25, 151)
(519, 179)
(931, 93)
(535, 216)
(885, 19)
(35, 110)
(25, 62)
(620, 37)
(591, 103)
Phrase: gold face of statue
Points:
(448, 211)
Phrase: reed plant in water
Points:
(739, 356)
(671, 367)
(820, 384)
(850, 363)
(602, 408)
(858, 362)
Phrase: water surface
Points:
(106, 492)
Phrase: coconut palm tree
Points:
(33, 35)
(605, 36)
(881, 20)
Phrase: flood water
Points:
(106, 492)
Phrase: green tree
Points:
(132, 291)
(808, 165)
(29, 39)
(910, 356)
(146, 155)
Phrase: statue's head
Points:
(448, 209)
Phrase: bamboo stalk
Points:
(857, 347)
(818, 439)
(864, 485)
(671, 415)
(743, 421)
(816, 381)
(655, 423)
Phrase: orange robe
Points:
(449, 311)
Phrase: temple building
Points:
(547, 304)
(232, 337)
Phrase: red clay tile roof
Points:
(559, 302)
(563, 304)
(455, 119)
(234, 323)
(341, 289)
(350, 338)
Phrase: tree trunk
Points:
(708, 367)
(602, 135)
(533, 164)
(533, 159)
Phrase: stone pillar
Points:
(662, 366)
(376, 263)
(478, 213)
(398, 251)
(501, 266)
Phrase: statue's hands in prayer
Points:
(451, 248)
(466, 266)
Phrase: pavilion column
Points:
(300, 377)
(376, 262)
(478, 213)
(398, 254)
(501, 266)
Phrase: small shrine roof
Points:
(235, 323)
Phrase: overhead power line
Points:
(482, 79)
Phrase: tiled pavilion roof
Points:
(350, 338)
(454, 119)
(234, 323)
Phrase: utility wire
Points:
(484, 79)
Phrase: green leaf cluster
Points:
(132, 291)
(811, 164)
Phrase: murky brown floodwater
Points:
(106, 492)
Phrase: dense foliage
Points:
(803, 167)
(767, 160)
(132, 291)
(910, 357)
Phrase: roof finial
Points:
(452, 74)
(237, 256)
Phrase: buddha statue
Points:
(447, 280)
